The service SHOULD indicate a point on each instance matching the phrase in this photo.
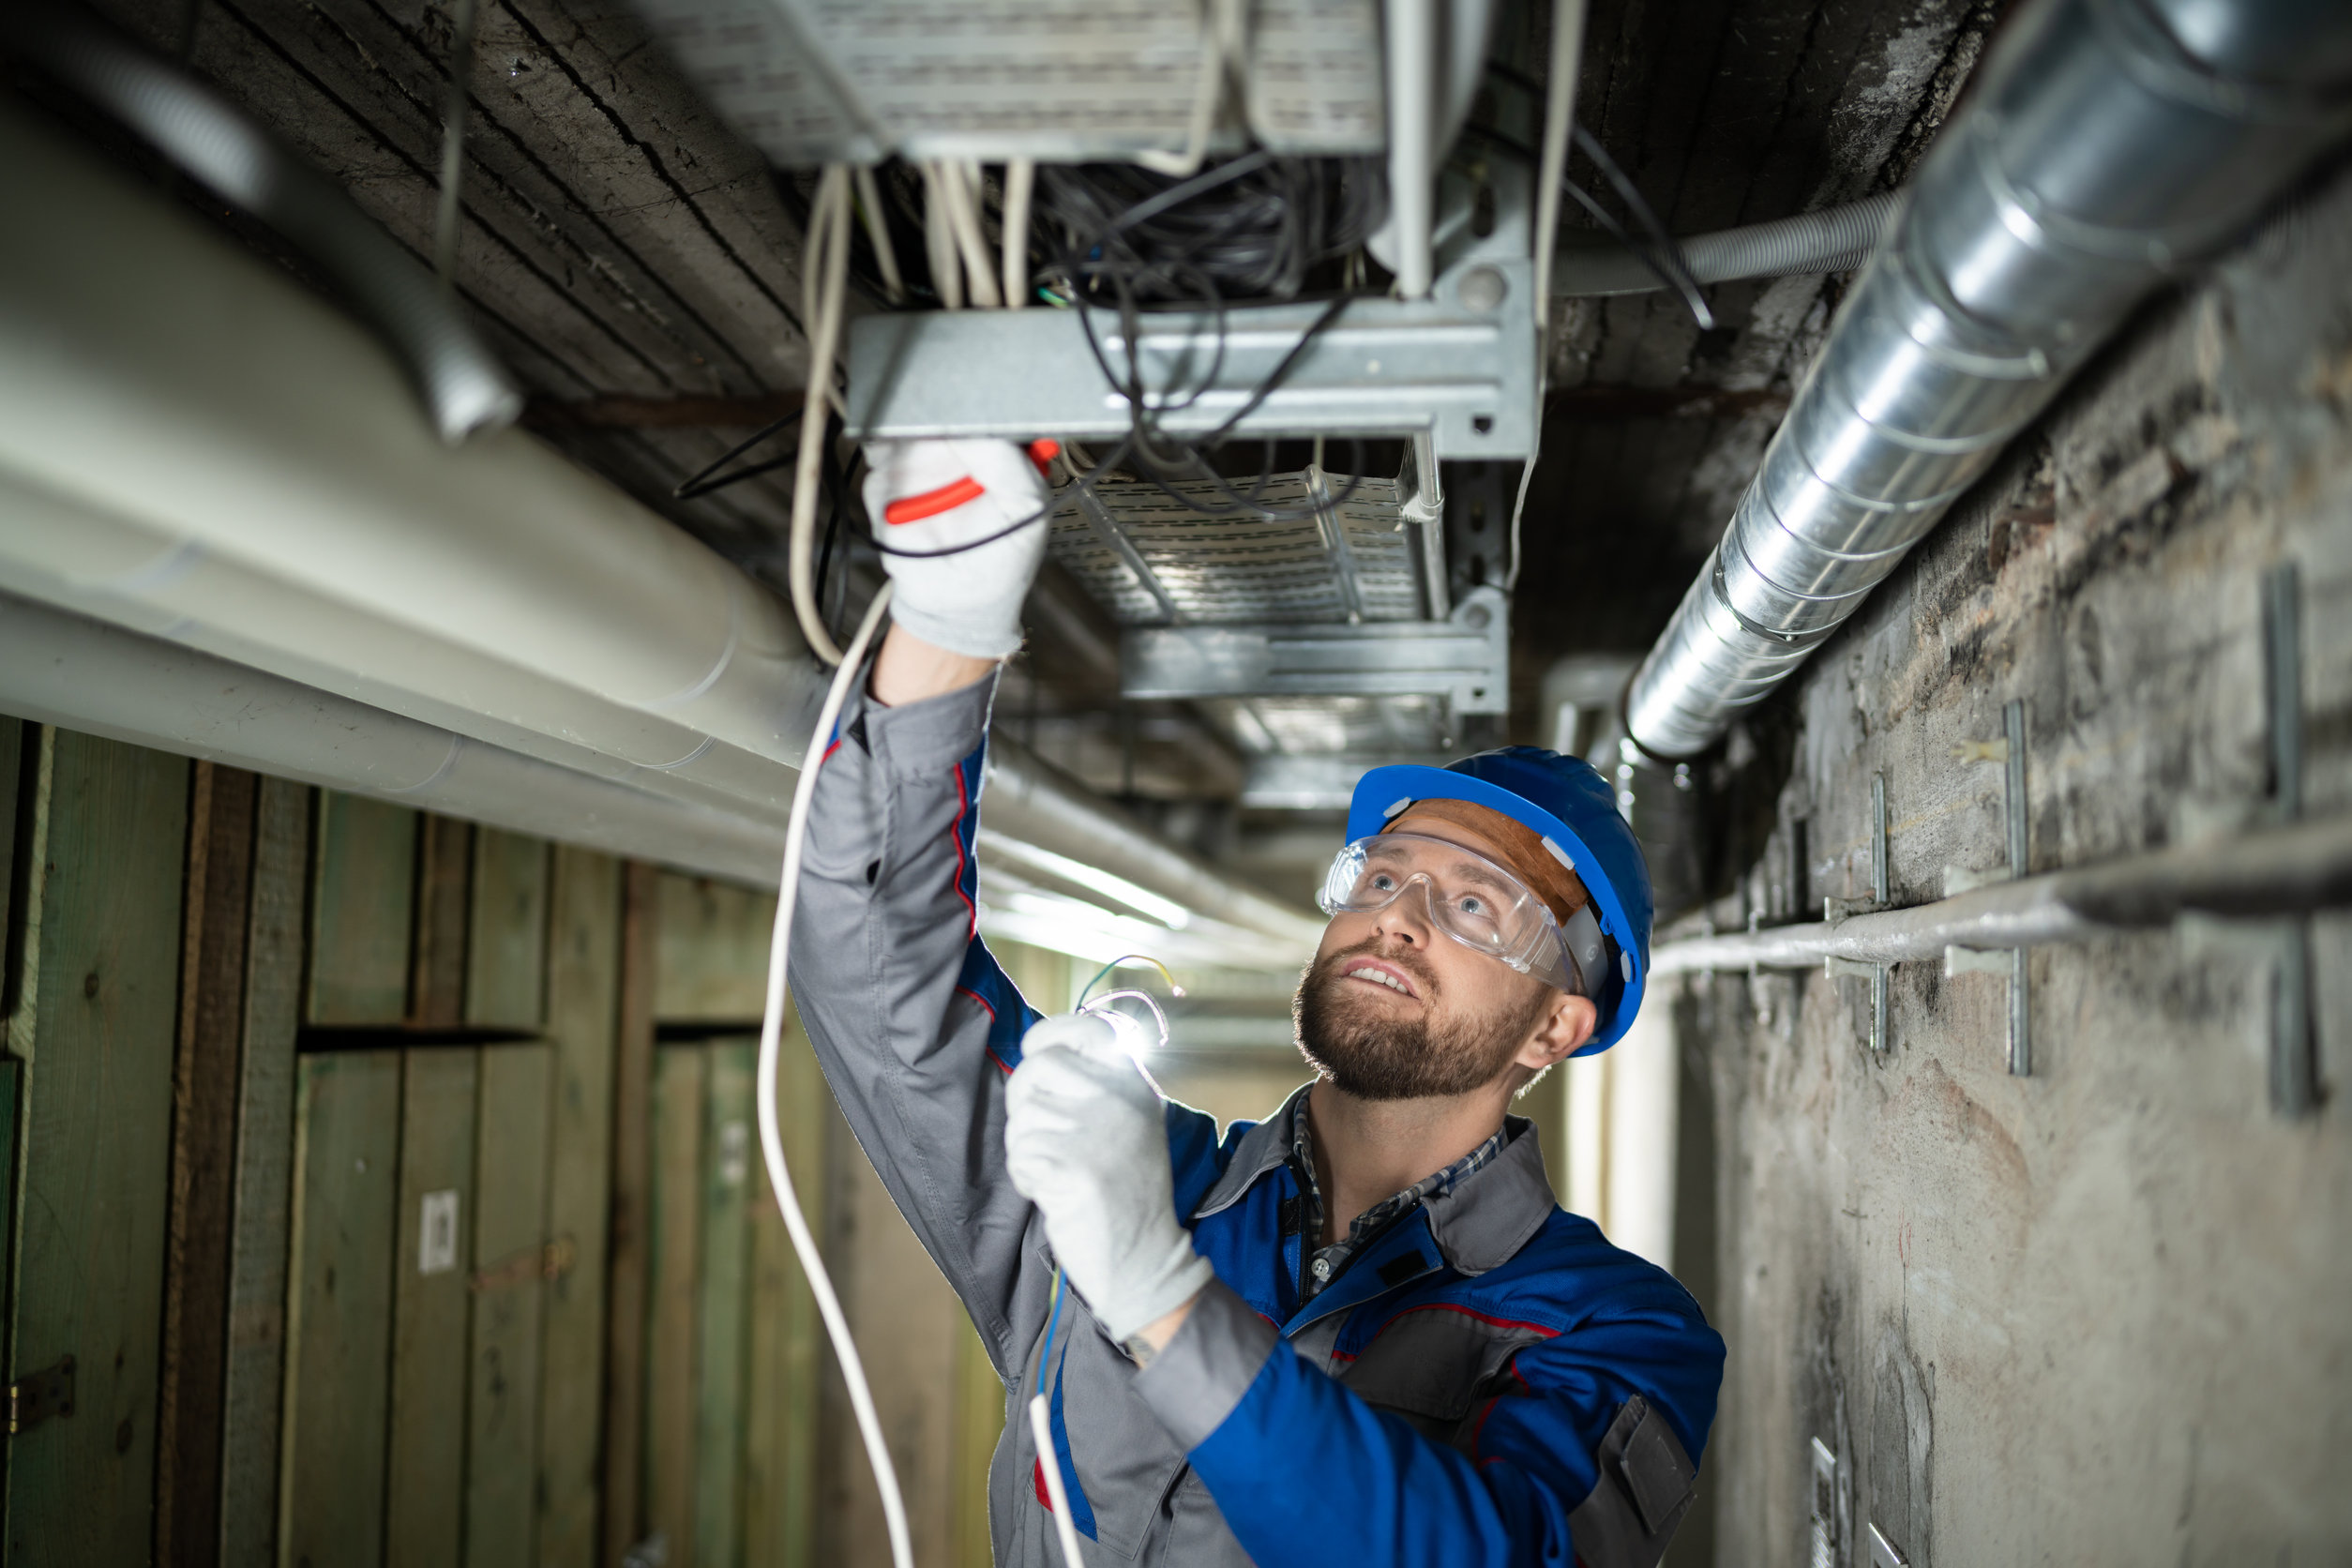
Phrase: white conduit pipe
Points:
(1412, 53)
(199, 450)
(1831, 240)
(58, 668)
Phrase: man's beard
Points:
(1443, 1051)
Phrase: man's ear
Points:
(1568, 1024)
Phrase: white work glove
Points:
(1086, 1140)
(936, 494)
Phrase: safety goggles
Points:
(1471, 898)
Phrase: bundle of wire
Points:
(1253, 228)
(1249, 230)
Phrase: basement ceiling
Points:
(636, 264)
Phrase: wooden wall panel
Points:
(980, 1397)
(787, 1350)
(713, 951)
(625, 1344)
(263, 1180)
(347, 1124)
(13, 733)
(432, 1224)
(584, 956)
(510, 1260)
(204, 1149)
(363, 898)
(727, 1154)
(437, 953)
(681, 1091)
(96, 1022)
(506, 946)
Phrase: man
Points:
(1357, 1333)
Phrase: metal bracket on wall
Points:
(1834, 911)
(33, 1399)
(2009, 753)
(1465, 659)
(2294, 1043)
(1883, 1552)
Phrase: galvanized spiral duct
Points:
(2108, 144)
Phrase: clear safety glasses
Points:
(1472, 899)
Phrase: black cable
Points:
(702, 484)
(1662, 256)
(1669, 254)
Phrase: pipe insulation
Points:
(461, 381)
(194, 449)
(1832, 239)
(59, 668)
(2108, 144)
(2296, 870)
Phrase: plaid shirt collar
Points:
(1317, 1268)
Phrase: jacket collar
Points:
(1479, 1225)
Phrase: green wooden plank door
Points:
(253, 1381)
(505, 971)
(361, 911)
(347, 1123)
(510, 1166)
(425, 1477)
(727, 1154)
(786, 1338)
(96, 1020)
(582, 1025)
(680, 1096)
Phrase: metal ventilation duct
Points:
(2108, 144)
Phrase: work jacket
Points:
(1486, 1381)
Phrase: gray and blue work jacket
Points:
(1484, 1381)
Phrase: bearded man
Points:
(1359, 1332)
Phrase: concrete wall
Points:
(2097, 1314)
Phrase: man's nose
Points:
(1407, 916)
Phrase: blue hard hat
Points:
(1561, 798)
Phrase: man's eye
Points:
(1380, 881)
(1471, 904)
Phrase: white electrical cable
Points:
(1041, 1432)
(961, 184)
(939, 242)
(1559, 118)
(812, 1263)
(825, 273)
(878, 231)
(1220, 41)
(1020, 180)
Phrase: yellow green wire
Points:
(1129, 958)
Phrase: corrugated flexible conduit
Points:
(1832, 239)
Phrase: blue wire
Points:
(1044, 1357)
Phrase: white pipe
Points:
(1559, 114)
(58, 668)
(1644, 1090)
(1412, 129)
(253, 474)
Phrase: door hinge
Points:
(33, 1400)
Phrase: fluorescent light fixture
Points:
(1142, 899)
